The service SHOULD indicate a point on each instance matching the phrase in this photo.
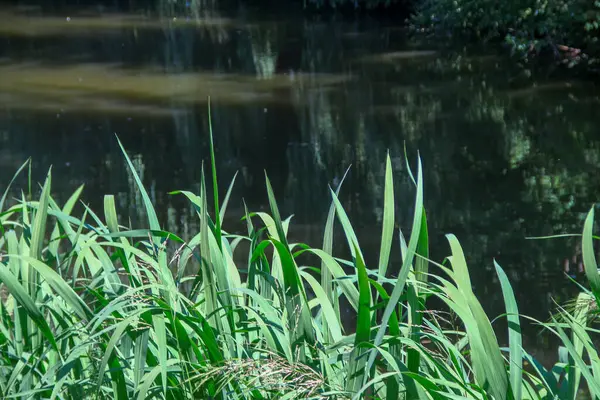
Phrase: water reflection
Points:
(505, 158)
(85, 86)
(29, 24)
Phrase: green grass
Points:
(91, 309)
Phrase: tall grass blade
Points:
(275, 213)
(110, 214)
(351, 238)
(582, 368)
(421, 262)
(151, 213)
(297, 304)
(28, 304)
(163, 269)
(485, 351)
(514, 334)
(416, 298)
(357, 370)
(404, 270)
(326, 275)
(209, 292)
(213, 166)
(5, 194)
(158, 322)
(226, 199)
(39, 223)
(589, 259)
(387, 230)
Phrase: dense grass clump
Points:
(91, 309)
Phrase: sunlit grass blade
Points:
(227, 198)
(578, 323)
(61, 287)
(387, 230)
(416, 298)
(326, 275)
(150, 377)
(342, 280)
(485, 351)
(151, 213)
(39, 222)
(582, 368)
(110, 214)
(158, 322)
(329, 314)
(38, 234)
(405, 269)
(299, 318)
(275, 213)
(209, 290)
(393, 382)
(213, 167)
(514, 334)
(351, 238)
(53, 246)
(296, 303)
(28, 304)
(589, 259)
(108, 351)
(7, 189)
(356, 368)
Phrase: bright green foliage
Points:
(91, 309)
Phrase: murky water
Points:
(505, 156)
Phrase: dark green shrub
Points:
(568, 30)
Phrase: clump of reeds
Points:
(91, 309)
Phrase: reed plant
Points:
(93, 309)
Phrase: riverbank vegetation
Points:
(92, 308)
(560, 31)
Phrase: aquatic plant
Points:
(93, 309)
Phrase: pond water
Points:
(505, 156)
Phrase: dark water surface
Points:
(505, 156)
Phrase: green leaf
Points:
(405, 269)
(39, 223)
(299, 318)
(60, 286)
(387, 232)
(589, 259)
(213, 166)
(158, 321)
(151, 376)
(115, 338)
(326, 275)
(485, 351)
(110, 214)
(5, 194)
(514, 334)
(227, 197)
(152, 218)
(329, 314)
(22, 298)
(275, 213)
(363, 329)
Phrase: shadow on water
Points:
(504, 157)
